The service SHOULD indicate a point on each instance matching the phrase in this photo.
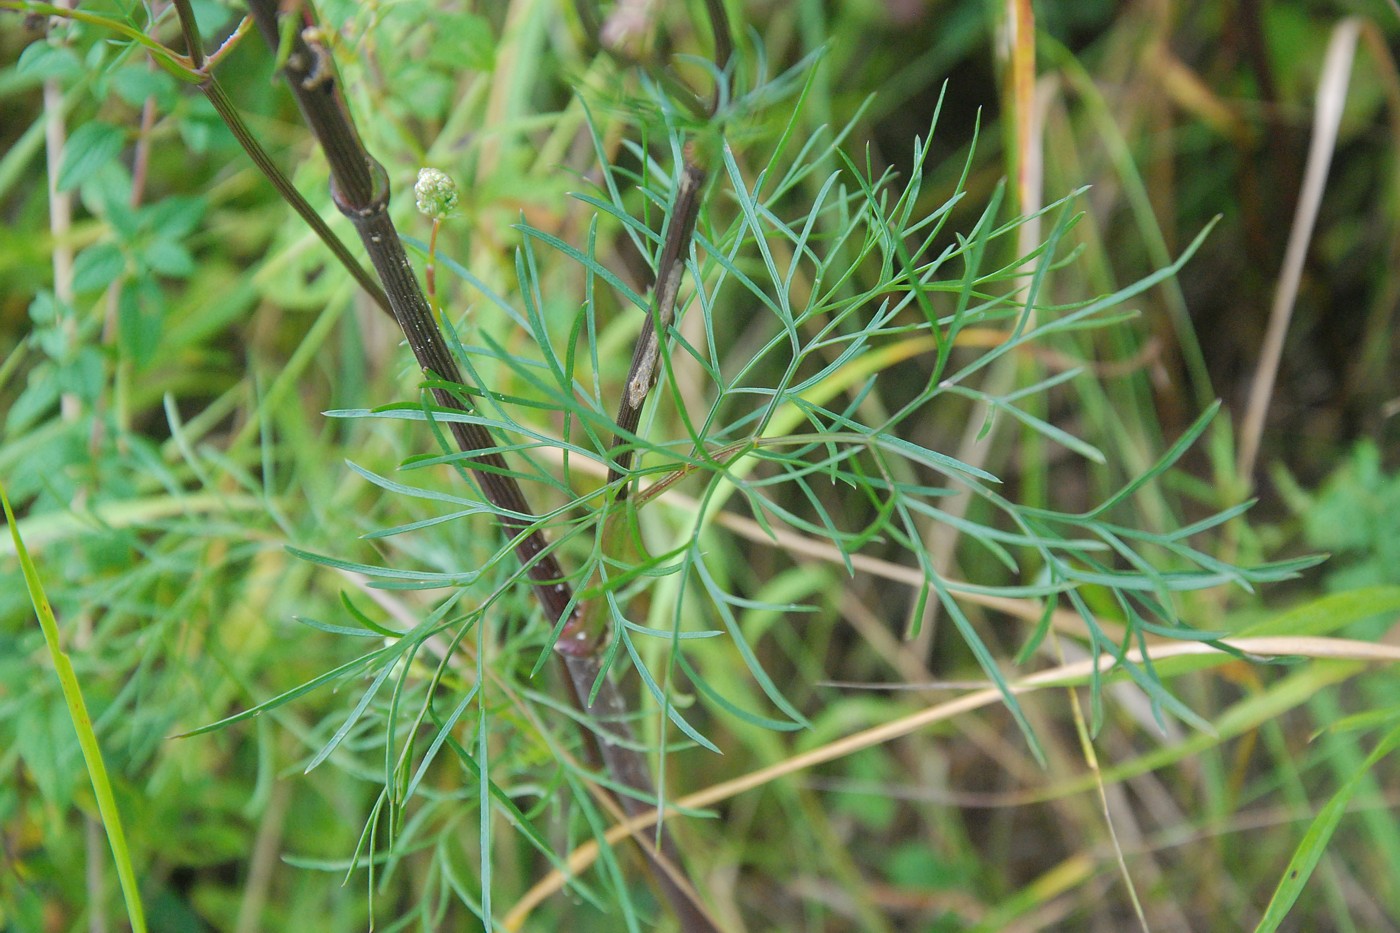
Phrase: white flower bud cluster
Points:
(436, 193)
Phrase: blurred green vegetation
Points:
(163, 439)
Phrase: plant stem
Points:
(646, 357)
(194, 45)
(615, 749)
(430, 272)
(60, 224)
(229, 114)
(360, 189)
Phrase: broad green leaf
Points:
(89, 148)
(140, 307)
(42, 60)
(97, 267)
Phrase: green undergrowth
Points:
(900, 417)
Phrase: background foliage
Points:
(165, 444)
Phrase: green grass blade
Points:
(82, 723)
(1326, 615)
(1315, 840)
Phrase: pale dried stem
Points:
(1331, 96)
(1303, 646)
(70, 407)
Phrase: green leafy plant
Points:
(1352, 516)
(663, 521)
(869, 267)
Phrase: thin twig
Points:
(189, 27)
(234, 121)
(724, 46)
(1331, 95)
(264, 859)
(216, 96)
(646, 357)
